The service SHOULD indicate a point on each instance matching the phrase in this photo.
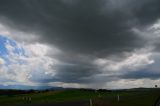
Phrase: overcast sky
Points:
(80, 43)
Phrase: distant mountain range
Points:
(26, 87)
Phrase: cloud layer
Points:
(82, 42)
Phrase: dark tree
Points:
(156, 86)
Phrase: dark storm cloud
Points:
(141, 74)
(148, 13)
(74, 69)
(76, 73)
(83, 27)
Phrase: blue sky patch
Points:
(4, 53)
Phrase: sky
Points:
(109, 44)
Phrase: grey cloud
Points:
(91, 28)
(150, 72)
(95, 26)
(80, 27)
(148, 13)
(76, 74)
(72, 70)
(141, 74)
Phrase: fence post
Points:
(118, 98)
(90, 102)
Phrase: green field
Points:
(127, 98)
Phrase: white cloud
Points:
(68, 85)
(40, 50)
(118, 84)
(21, 66)
(136, 60)
(18, 35)
(130, 83)
(150, 33)
(155, 25)
(2, 62)
(42, 57)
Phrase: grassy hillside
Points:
(127, 98)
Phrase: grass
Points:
(127, 98)
(136, 98)
(49, 97)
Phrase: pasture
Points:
(135, 97)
